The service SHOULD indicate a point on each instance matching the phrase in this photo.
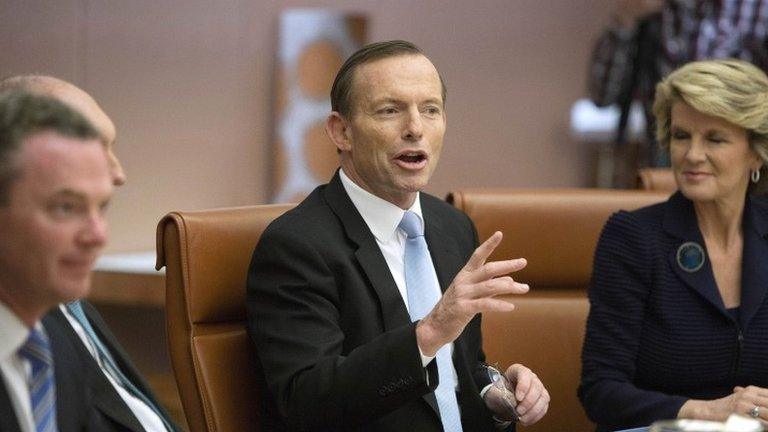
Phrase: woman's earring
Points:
(755, 176)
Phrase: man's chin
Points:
(75, 289)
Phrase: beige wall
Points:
(189, 85)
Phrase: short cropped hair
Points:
(23, 114)
(733, 90)
(342, 92)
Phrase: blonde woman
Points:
(678, 325)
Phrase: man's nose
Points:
(94, 233)
(116, 169)
(414, 127)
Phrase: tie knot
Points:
(411, 225)
(37, 348)
(76, 309)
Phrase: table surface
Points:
(128, 279)
(131, 262)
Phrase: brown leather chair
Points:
(656, 179)
(556, 230)
(206, 255)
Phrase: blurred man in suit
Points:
(122, 397)
(54, 188)
(364, 301)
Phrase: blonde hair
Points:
(733, 90)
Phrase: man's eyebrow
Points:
(390, 99)
(387, 99)
(69, 193)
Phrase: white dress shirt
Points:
(383, 218)
(144, 414)
(16, 370)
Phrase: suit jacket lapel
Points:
(123, 361)
(368, 255)
(8, 420)
(443, 249)
(754, 273)
(373, 263)
(680, 222)
(118, 354)
(105, 397)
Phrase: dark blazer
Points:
(111, 413)
(658, 335)
(72, 398)
(331, 330)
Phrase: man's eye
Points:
(433, 110)
(388, 110)
(63, 208)
(679, 135)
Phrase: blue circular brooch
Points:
(690, 256)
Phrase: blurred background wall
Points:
(189, 85)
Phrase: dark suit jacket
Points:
(331, 330)
(658, 335)
(110, 413)
(72, 398)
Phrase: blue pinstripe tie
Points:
(42, 388)
(76, 309)
(423, 294)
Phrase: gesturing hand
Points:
(474, 289)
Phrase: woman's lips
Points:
(696, 175)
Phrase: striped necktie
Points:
(42, 387)
(423, 293)
(108, 362)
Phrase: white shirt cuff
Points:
(425, 359)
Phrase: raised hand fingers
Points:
(496, 269)
(494, 287)
(483, 252)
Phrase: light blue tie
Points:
(423, 294)
(76, 309)
(42, 388)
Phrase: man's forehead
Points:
(51, 150)
(406, 73)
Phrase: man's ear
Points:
(338, 131)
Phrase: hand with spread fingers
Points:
(476, 288)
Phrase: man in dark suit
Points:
(54, 187)
(358, 322)
(122, 398)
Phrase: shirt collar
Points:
(381, 216)
(13, 332)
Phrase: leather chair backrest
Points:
(556, 230)
(656, 179)
(206, 255)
